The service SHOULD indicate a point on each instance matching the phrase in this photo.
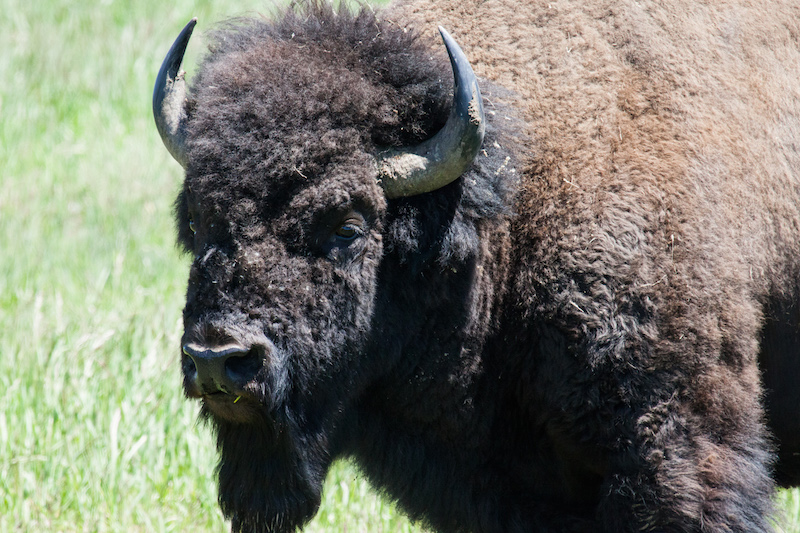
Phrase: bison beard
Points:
(270, 473)
(560, 331)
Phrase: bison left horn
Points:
(169, 97)
(441, 159)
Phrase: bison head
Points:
(295, 138)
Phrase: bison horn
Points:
(445, 156)
(169, 97)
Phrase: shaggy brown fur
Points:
(666, 141)
(568, 337)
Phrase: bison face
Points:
(286, 140)
(280, 294)
(279, 302)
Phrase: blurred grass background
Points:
(94, 432)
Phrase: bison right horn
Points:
(169, 97)
(441, 159)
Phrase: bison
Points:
(559, 293)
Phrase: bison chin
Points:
(270, 473)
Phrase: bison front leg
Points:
(696, 461)
(668, 398)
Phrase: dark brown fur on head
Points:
(315, 87)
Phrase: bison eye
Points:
(339, 234)
(191, 226)
(344, 234)
(347, 232)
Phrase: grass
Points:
(94, 432)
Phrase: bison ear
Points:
(448, 154)
(169, 97)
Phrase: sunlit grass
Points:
(94, 432)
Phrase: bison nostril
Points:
(189, 368)
(244, 366)
(214, 369)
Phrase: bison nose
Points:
(220, 369)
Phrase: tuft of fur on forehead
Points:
(314, 88)
(279, 105)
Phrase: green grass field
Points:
(94, 432)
